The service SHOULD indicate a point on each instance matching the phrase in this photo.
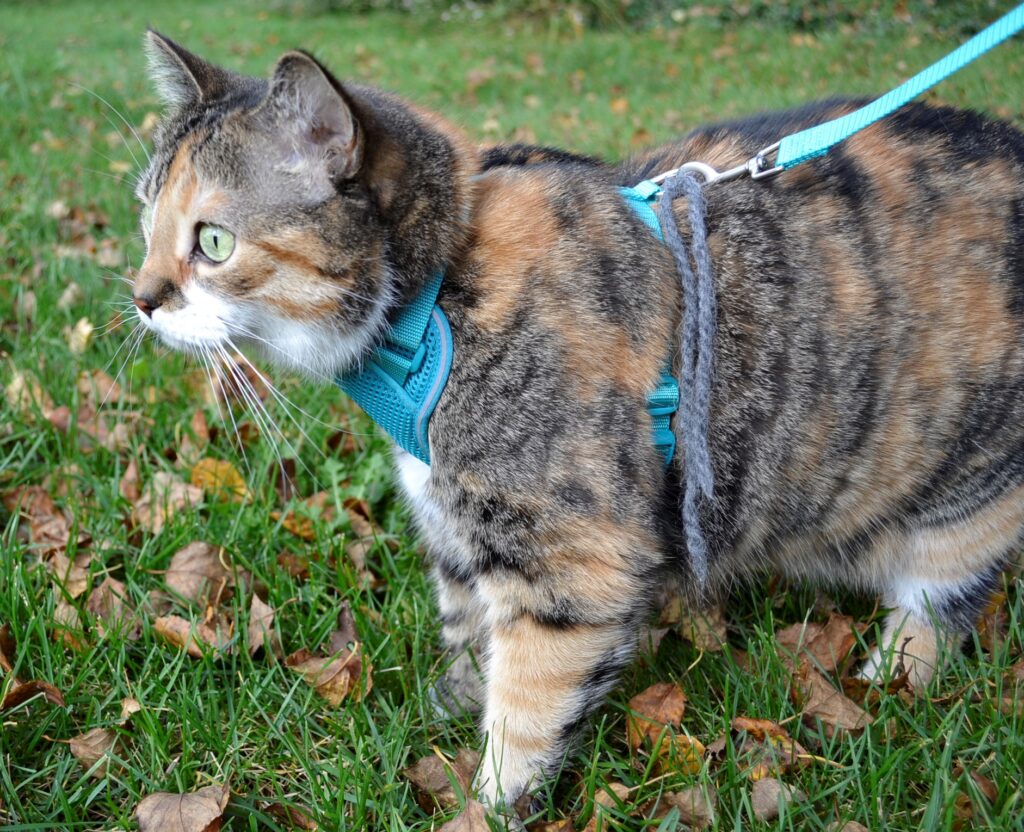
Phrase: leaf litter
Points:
(342, 670)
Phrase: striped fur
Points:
(867, 424)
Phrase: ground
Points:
(69, 74)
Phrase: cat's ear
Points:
(305, 100)
(181, 78)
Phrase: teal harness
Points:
(400, 383)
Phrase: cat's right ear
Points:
(182, 79)
(307, 105)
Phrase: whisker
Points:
(118, 114)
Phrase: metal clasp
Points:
(757, 167)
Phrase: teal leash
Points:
(699, 300)
(797, 148)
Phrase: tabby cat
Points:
(867, 422)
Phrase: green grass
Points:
(252, 722)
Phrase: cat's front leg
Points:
(557, 644)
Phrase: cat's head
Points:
(289, 214)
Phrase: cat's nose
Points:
(146, 304)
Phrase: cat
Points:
(867, 422)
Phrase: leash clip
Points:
(757, 167)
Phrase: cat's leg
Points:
(931, 617)
(463, 632)
(558, 641)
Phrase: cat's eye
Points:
(216, 243)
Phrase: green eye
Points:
(216, 243)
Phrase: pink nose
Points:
(146, 306)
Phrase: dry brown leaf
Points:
(295, 565)
(283, 475)
(769, 796)
(431, 779)
(610, 795)
(129, 707)
(302, 524)
(201, 573)
(67, 624)
(343, 670)
(847, 826)
(191, 442)
(108, 604)
(221, 479)
(704, 629)
(129, 486)
(695, 805)
(261, 624)
(94, 747)
(79, 336)
(26, 396)
(199, 811)
(70, 574)
(661, 705)
(680, 752)
(819, 701)
(292, 816)
(165, 495)
(827, 644)
(97, 388)
(473, 818)
(19, 691)
(197, 639)
(763, 748)
(560, 825)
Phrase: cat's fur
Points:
(867, 423)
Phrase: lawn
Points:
(72, 80)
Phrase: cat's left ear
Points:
(305, 99)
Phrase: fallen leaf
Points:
(342, 671)
(71, 296)
(199, 811)
(201, 573)
(610, 795)
(295, 565)
(283, 474)
(620, 106)
(661, 705)
(847, 826)
(94, 747)
(19, 691)
(432, 778)
(97, 388)
(196, 639)
(26, 396)
(261, 624)
(763, 748)
(473, 818)
(129, 707)
(704, 629)
(67, 624)
(70, 574)
(109, 606)
(560, 825)
(129, 487)
(695, 806)
(820, 702)
(769, 797)
(292, 816)
(221, 478)
(79, 336)
(827, 644)
(165, 495)
(680, 752)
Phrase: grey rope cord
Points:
(700, 308)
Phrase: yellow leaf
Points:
(220, 477)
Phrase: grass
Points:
(253, 723)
